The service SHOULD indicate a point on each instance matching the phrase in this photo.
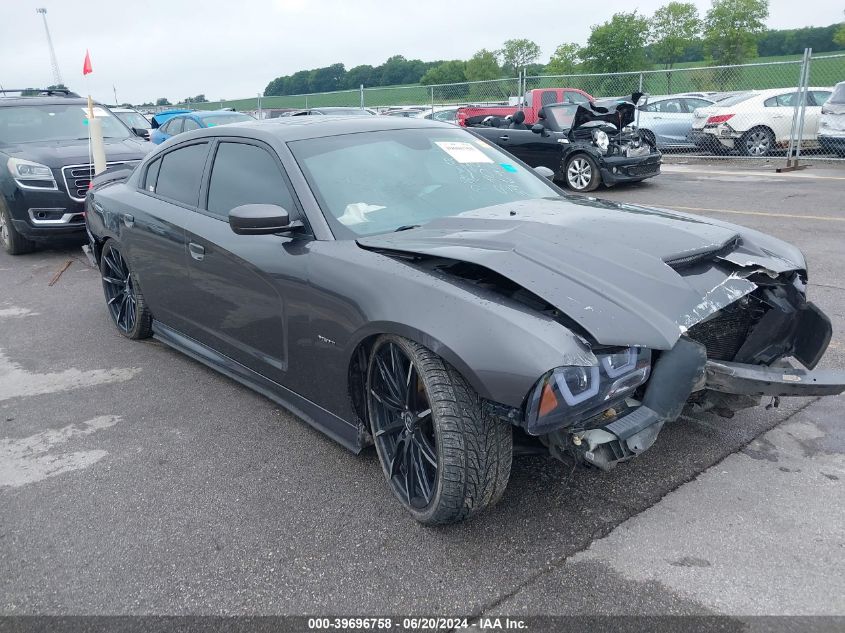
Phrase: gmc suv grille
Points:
(78, 177)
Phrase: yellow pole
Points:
(98, 147)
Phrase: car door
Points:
(538, 150)
(669, 121)
(779, 110)
(156, 245)
(242, 308)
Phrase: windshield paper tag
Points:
(463, 152)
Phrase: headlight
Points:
(31, 175)
(600, 140)
(568, 394)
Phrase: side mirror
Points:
(538, 128)
(545, 172)
(258, 219)
(139, 131)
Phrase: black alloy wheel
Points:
(402, 426)
(124, 301)
(444, 456)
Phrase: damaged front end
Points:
(725, 362)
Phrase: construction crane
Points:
(57, 76)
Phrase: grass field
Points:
(767, 72)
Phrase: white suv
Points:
(757, 123)
(832, 122)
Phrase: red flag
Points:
(86, 67)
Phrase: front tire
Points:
(124, 300)
(581, 173)
(12, 242)
(444, 457)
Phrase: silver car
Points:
(666, 120)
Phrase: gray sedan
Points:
(666, 120)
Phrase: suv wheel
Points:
(12, 242)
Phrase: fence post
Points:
(259, 107)
(362, 96)
(797, 129)
(432, 100)
(641, 83)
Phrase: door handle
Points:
(129, 220)
(197, 251)
(504, 138)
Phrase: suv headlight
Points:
(568, 394)
(601, 140)
(30, 175)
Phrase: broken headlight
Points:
(567, 394)
(601, 140)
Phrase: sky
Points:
(226, 50)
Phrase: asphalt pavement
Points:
(134, 480)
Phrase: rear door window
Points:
(180, 174)
(189, 125)
(151, 176)
(245, 174)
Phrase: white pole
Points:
(98, 148)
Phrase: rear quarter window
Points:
(180, 174)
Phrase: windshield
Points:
(562, 115)
(377, 182)
(223, 119)
(133, 119)
(60, 122)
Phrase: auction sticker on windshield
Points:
(463, 152)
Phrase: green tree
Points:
(518, 53)
(200, 99)
(162, 101)
(564, 60)
(674, 27)
(450, 72)
(364, 74)
(482, 66)
(618, 45)
(731, 29)
(839, 37)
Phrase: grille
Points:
(724, 334)
(643, 168)
(78, 177)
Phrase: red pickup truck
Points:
(534, 100)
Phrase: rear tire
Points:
(581, 173)
(757, 142)
(124, 300)
(425, 416)
(12, 242)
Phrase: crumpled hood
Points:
(57, 154)
(619, 113)
(604, 265)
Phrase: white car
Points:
(832, 122)
(757, 123)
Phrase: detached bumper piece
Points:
(757, 380)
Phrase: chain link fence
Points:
(767, 111)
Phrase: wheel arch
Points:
(361, 345)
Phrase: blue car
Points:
(175, 122)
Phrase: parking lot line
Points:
(684, 169)
(764, 213)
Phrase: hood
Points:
(57, 154)
(619, 113)
(618, 271)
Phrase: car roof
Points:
(25, 101)
(300, 128)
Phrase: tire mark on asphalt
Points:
(30, 459)
(16, 381)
